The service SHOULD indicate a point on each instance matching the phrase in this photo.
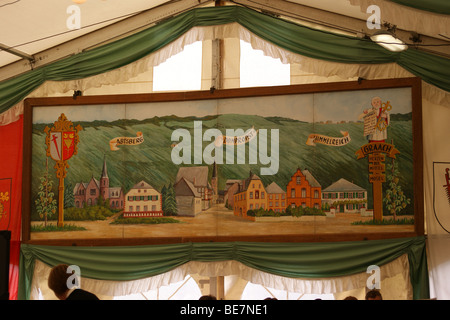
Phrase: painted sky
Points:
(330, 106)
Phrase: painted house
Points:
(232, 186)
(251, 196)
(116, 198)
(88, 193)
(304, 190)
(143, 201)
(276, 198)
(198, 177)
(345, 196)
(189, 200)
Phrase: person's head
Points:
(350, 298)
(207, 297)
(376, 102)
(57, 280)
(373, 295)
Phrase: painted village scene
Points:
(301, 164)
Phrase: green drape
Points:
(296, 260)
(436, 6)
(302, 40)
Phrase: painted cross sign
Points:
(376, 152)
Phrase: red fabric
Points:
(11, 149)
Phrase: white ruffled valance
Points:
(232, 30)
(12, 114)
(225, 268)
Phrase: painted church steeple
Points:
(104, 181)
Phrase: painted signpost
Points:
(375, 152)
(62, 143)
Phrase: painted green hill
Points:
(151, 161)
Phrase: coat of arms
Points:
(447, 184)
(441, 194)
(62, 140)
(62, 145)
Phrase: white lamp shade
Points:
(388, 41)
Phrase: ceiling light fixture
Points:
(388, 41)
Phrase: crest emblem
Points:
(441, 194)
(447, 183)
(61, 140)
(62, 145)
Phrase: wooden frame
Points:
(412, 84)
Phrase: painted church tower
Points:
(104, 181)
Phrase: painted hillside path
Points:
(219, 221)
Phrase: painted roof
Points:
(142, 185)
(274, 188)
(310, 178)
(198, 176)
(186, 188)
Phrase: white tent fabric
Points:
(400, 266)
(436, 132)
(233, 30)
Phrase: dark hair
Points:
(373, 294)
(57, 279)
(207, 297)
(350, 298)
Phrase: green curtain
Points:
(436, 6)
(299, 39)
(297, 260)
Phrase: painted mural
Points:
(316, 163)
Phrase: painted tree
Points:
(169, 201)
(46, 204)
(395, 199)
(163, 195)
(102, 202)
(69, 198)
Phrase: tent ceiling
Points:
(342, 7)
(31, 27)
